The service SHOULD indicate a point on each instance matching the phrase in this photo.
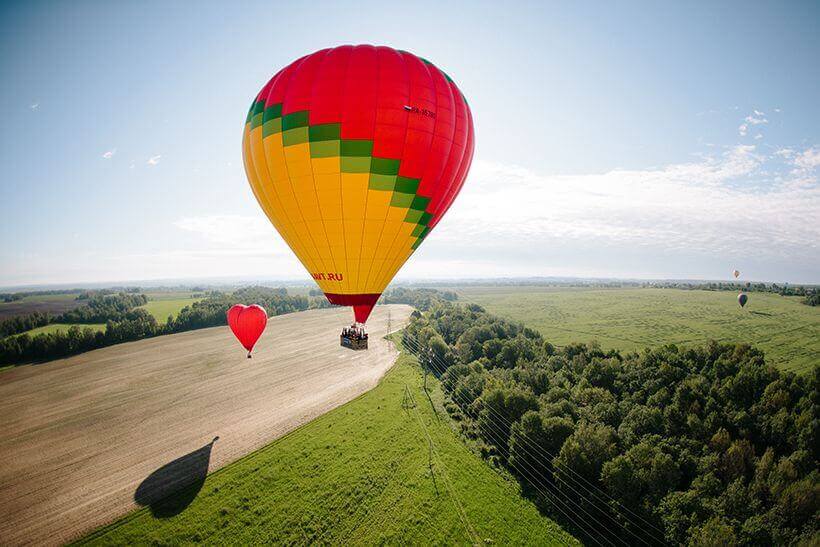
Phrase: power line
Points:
(584, 480)
(532, 475)
(591, 491)
(594, 489)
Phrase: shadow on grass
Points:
(432, 404)
(761, 313)
(171, 488)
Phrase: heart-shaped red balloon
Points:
(247, 324)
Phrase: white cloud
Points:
(510, 220)
(154, 160)
(109, 154)
(808, 160)
(755, 118)
(237, 233)
(758, 136)
(34, 106)
(709, 207)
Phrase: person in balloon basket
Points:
(354, 333)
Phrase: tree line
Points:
(125, 322)
(421, 299)
(100, 307)
(22, 323)
(15, 296)
(809, 293)
(211, 311)
(103, 307)
(132, 325)
(699, 445)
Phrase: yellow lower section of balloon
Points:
(347, 236)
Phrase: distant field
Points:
(50, 303)
(371, 472)
(632, 319)
(167, 304)
(168, 295)
(54, 327)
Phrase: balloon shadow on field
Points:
(171, 488)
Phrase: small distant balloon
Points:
(741, 299)
(736, 273)
(247, 324)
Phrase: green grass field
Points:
(168, 294)
(633, 319)
(161, 307)
(372, 471)
(54, 327)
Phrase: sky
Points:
(637, 140)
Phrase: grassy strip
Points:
(633, 319)
(54, 327)
(162, 308)
(385, 468)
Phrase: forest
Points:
(100, 307)
(701, 445)
(125, 322)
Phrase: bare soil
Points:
(26, 307)
(81, 435)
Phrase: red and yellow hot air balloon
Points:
(355, 153)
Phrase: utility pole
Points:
(428, 363)
(388, 321)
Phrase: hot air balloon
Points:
(247, 324)
(736, 274)
(741, 299)
(355, 153)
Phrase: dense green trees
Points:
(212, 311)
(101, 306)
(131, 325)
(104, 307)
(22, 323)
(125, 322)
(702, 445)
(421, 299)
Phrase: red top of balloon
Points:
(355, 153)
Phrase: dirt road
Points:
(80, 436)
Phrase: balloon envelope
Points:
(355, 153)
(736, 273)
(741, 299)
(247, 323)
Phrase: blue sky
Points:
(637, 140)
